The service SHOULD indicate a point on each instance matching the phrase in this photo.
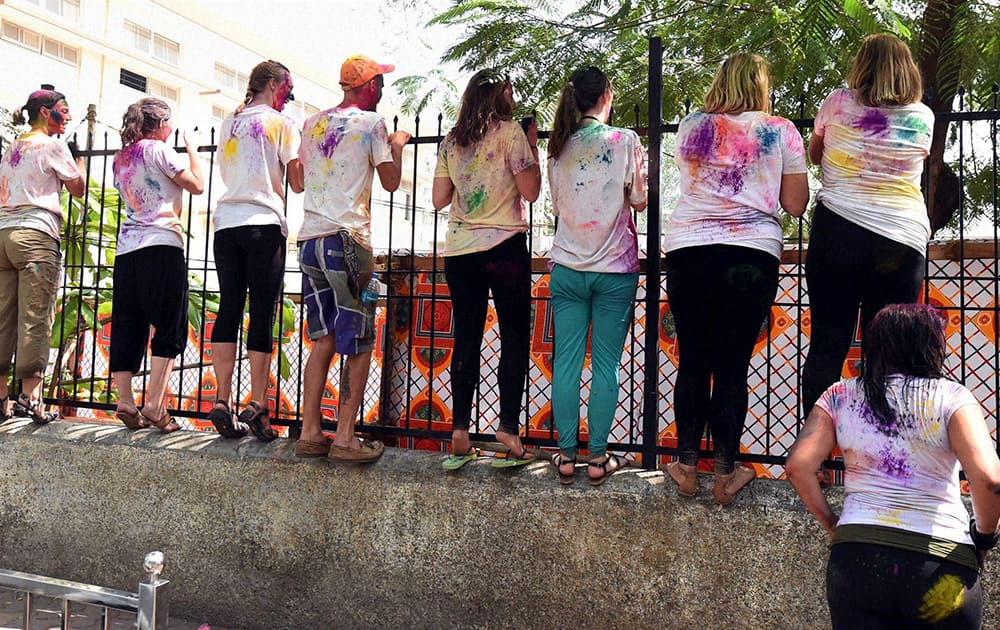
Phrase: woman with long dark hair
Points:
(739, 167)
(870, 228)
(903, 551)
(257, 143)
(150, 277)
(597, 175)
(33, 170)
(487, 168)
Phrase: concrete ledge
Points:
(256, 538)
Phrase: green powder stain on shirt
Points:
(476, 200)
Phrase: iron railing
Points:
(408, 394)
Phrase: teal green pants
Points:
(581, 299)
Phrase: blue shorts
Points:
(334, 272)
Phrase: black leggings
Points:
(249, 257)
(870, 587)
(848, 266)
(506, 271)
(150, 288)
(720, 296)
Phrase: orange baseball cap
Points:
(359, 69)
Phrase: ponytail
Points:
(142, 118)
(566, 121)
(36, 101)
(581, 93)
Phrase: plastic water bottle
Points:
(369, 295)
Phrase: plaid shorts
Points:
(334, 272)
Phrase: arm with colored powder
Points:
(817, 439)
(971, 442)
(391, 173)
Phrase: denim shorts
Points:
(334, 272)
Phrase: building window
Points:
(219, 113)
(230, 79)
(69, 9)
(132, 80)
(150, 43)
(161, 90)
(43, 45)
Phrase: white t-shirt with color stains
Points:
(901, 473)
(255, 146)
(873, 158)
(600, 172)
(486, 206)
(144, 173)
(32, 170)
(731, 167)
(340, 150)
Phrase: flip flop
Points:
(456, 461)
(509, 460)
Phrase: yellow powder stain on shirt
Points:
(319, 129)
(891, 517)
(943, 599)
(229, 149)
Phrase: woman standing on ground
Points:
(597, 175)
(870, 228)
(903, 552)
(33, 170)
(256, 145)
(739, 165)
(487, 168)
(150, 276)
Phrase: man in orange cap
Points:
(342, 148)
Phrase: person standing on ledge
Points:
(257, 143)
(487, 168)
(342, 148)
(33, 171)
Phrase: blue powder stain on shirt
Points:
(768, 138)
(152, 183)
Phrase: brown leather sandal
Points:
(164, 423)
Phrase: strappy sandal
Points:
(559, 460)
(253, 417)
(132, 419)
(605, 473)
(165, 423)
(224, 423)
(26, 408)
(510, 460)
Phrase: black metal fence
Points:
(408, 394)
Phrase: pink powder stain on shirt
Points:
(15, 156)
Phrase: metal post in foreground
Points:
(153, 603)
(651, 390)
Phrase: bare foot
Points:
(513, 443)
(460, 442)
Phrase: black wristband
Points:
(983, 542)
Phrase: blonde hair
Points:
(742, 84)
(884, 73)
(143, 118)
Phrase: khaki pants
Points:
(30, 265)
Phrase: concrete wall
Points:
(256, 538)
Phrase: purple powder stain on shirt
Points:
(892, 464)
(732, 179)
(331, 142)
(700, 143)
(15, 156)
(874, 122)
